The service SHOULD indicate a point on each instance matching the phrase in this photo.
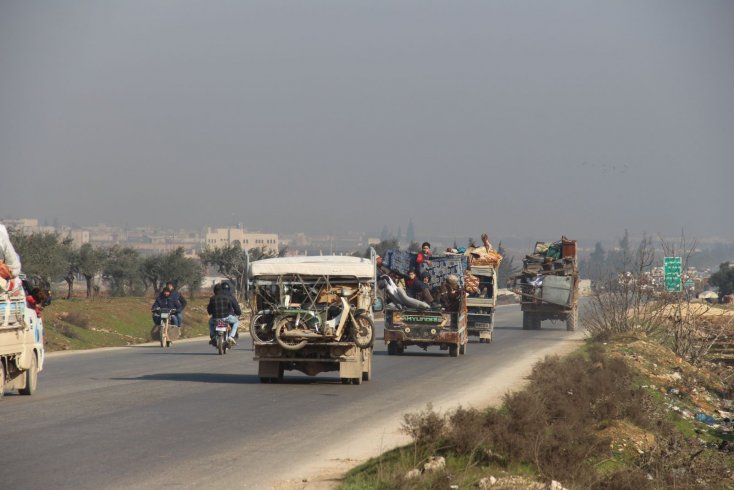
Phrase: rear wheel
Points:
(283, 326)
(220, 344)
(31, 378)
(527, 321)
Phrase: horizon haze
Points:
(516, 118)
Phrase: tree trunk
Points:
(70, 282)
(89, 280)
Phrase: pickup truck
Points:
(21, 341)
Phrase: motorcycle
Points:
(222, 328)
(293, 328)
(165, 315)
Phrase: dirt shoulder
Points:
(327, 472)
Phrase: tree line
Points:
(48, 258)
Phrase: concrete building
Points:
(221, 237)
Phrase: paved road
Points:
(185, 417)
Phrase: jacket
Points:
(223, 304)
(167, 303)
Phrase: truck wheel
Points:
(527, 321)
(572, 320)
(401, 348)
(453, 350)
(392, 349)
(2, 378)
(462, 348)
(357, 381)
(363, 331)
(31, 378)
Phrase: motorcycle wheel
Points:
(162, 335)
(220, 344)
(363, 331)
(262, 331)
(283, 325)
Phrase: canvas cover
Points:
(316, 265)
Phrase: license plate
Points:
(221, 329)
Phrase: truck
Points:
(548, 285)
(313, 314)
(477, 271)
(425, 328)
(21, 340)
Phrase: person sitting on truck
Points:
(9, 260)
(177, 296)
(38, 299)
(164, 300)
(424, 257)
(223, 305)
(409, 282)
(450, 293)
(421, 289)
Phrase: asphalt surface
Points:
(186, 417)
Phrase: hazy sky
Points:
(521, 118)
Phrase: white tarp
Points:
(316, 265)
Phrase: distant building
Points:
(221, 237)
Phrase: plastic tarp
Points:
(316, 265)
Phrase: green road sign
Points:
(673, 267)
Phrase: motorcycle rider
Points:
(223, 305)
(166, 301)
(176, 295)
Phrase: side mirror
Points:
(377, 305)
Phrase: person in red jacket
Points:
(424, 257)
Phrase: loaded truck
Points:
(425, 328)
(313, 314)
(548, 285)
(477, 271)
(21, 340)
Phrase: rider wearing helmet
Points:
(223, 305)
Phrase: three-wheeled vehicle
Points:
(313, 314)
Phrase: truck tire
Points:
(31, 378)
(572, 320)
(363, 331)
(2, 378)
(453, 350)
(392, 348)
(536, 322)
(462, 349)
(527, 321)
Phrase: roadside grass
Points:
(601, 418)
(109, 322)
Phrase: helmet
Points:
(226, 286)
(217, 288)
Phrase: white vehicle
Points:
(313, 314)
(21, 340)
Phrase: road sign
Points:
(673, 266)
